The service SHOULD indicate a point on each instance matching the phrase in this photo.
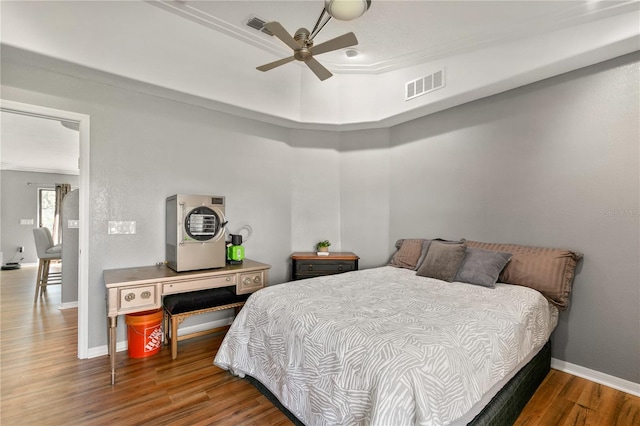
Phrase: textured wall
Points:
(364, 195)
(145, 148)
(70, 252)
(554, 164)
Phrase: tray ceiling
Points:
(396, 34)
(205, 50)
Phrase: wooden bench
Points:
(178, 307)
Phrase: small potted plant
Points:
(323, 246)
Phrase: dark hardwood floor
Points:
(43, 382)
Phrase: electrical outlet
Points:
(20, 249)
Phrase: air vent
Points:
(258, 24)
(424, 85)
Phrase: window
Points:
(46, 208)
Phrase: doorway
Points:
(83, 123)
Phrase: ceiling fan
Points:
(302, 41)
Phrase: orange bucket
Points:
(144, 333)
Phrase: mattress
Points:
(384, 346)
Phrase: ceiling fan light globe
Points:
(346, 10)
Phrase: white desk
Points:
(131, 290)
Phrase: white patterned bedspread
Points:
(383, 346)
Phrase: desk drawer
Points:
(138, 298)
(200, 284)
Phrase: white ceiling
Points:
(205, 49)
(394, 34)
(36, 144)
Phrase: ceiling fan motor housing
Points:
(302, 38)
(303, 54)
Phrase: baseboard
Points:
(123, 345)
(68, 305)
(596, 376)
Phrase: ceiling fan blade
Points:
(318, 69)
(272, 65)
(278, 30)
(345, 40)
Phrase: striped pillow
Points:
(408, 253)
(548, 270)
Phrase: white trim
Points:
(103, 350)
(20, 168)
(83, 242)
(123, 346)
(68, 305)
(596, 376)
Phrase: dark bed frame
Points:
(504, 408)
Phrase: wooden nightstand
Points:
(309, 264)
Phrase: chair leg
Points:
(45, 276)
(165, 327)
(38, 279)
(174, 335)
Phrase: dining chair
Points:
(47, 252)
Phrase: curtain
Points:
(61, 190)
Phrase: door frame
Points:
(83, 241)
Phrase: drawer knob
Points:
(247, 281)
(340, 268)
(228, 278)
(129, 297)
(311, 267)
(145, 294)
(256, 280)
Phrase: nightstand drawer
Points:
(307, 265)
(318, 267)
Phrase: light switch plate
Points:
(26, 221)
(73, 223)
(121, 227)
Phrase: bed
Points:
(395, 345)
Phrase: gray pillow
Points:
(425, 249)
(442, 261)
(482, 267)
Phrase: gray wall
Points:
(145, 148)
(70, 247)
(552, 164)
(20, 201)
(538, 165)
(364, 195)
